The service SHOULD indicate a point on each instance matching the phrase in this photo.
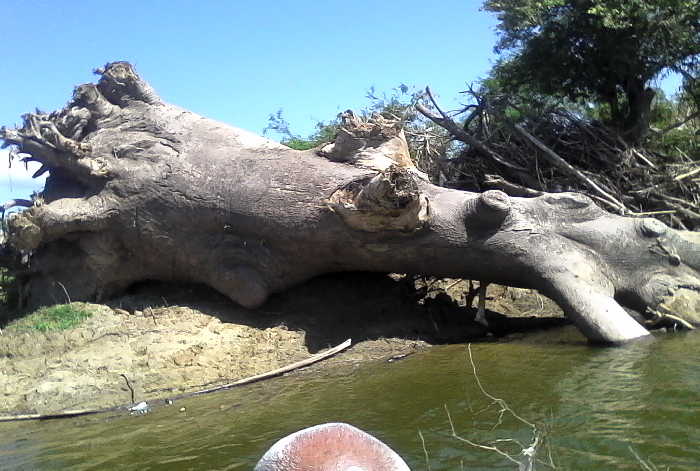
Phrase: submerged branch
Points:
(526, 459)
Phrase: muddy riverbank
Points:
(161, 341)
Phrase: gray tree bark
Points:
(143, 190)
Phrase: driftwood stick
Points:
(279, 371)
(554, 158)
(58, 415)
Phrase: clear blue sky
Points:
(237, 61)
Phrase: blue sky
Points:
(237, 61)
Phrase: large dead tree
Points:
(143, 190)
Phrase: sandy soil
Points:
(169, 340)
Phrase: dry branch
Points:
(597, 152)
(279, 371)
(458, 133)
(564, 165)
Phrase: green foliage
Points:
(52, 318)
(681, 141)
(605, 51)
(325, 132)
(675, 131)
(397, 106)
(8, 292)
(427, 142)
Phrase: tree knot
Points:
(489, 209)
(389, 201)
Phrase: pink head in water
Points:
(330, 447)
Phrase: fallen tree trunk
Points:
(143, 190)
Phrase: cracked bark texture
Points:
(143, 190)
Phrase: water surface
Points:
(593, 407)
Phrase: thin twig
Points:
(526, 458)
(474, 444)
(645, 466)
(128, 385)
(443, 120)
(425, 450)
(65, 291)
(686, 175)
(654, 213)
(554, 158)
(679, 123)
(451, 285)
(500, 402)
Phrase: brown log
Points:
(143, 190)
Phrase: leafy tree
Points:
(605, 51)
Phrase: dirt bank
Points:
(168, 340)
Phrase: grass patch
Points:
(8, 287)
(52, 318)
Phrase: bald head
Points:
(330, 447)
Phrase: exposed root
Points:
(43, 141)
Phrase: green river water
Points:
(593, 405)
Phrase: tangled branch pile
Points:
(523, 151)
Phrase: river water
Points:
(593, 409)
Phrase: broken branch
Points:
(460, 134)
(567, 167)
